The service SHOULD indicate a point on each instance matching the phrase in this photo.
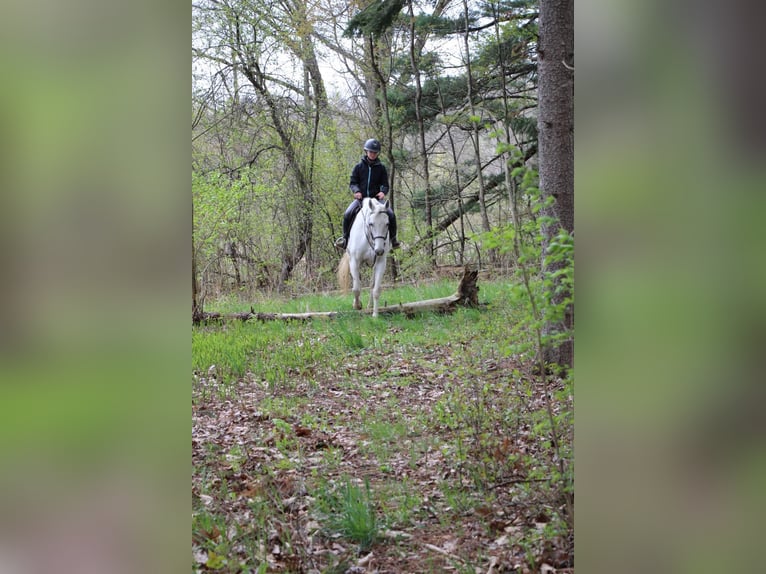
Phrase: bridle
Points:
(368, 232)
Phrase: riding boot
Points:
(392, 229)
(348, 220)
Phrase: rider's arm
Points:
(384, 181)
(354, 182)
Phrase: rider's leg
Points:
(348, 220)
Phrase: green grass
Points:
(400, 503)
(330, 301)
(405, 423)
(349, 510)
(275, 352)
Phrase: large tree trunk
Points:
(556, 135)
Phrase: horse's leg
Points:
(377, 285)
(372, 303)
(356, 287)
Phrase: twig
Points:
(444, 552)
(519, 480)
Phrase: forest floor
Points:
(392, 446)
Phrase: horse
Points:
(368, 243)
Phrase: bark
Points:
(422, 138)
(196, 303)
(311, 64)
(556, 134)
(303, 48)
(248, 315)
(231, 251)
(373, 84)
(467, 295)
(456, 162)
(475, 132)
(384, 119)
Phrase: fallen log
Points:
(248, 315)
(467, 295)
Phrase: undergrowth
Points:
(317, 442)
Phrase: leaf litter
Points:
(458, 471)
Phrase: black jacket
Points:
(369, 178)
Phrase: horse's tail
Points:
(344, 274)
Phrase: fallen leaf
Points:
(396, 534)
(200, 556)
(312, 526)
(364, 560)
(493, 565)
(302, 431)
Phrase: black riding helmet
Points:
(372, 145)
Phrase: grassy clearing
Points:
(391, 444)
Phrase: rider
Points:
(369, 178)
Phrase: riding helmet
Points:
(372, 145)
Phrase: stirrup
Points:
(340, 242)
(395, 244)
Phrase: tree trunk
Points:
(197, 310)
(384, 119)
(422, 139)
(475, 131)
(231, 251)
(253, 73)
(556, 136)
(372, 81)
(456, 162)
(467, 295)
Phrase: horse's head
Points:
(377, 222)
